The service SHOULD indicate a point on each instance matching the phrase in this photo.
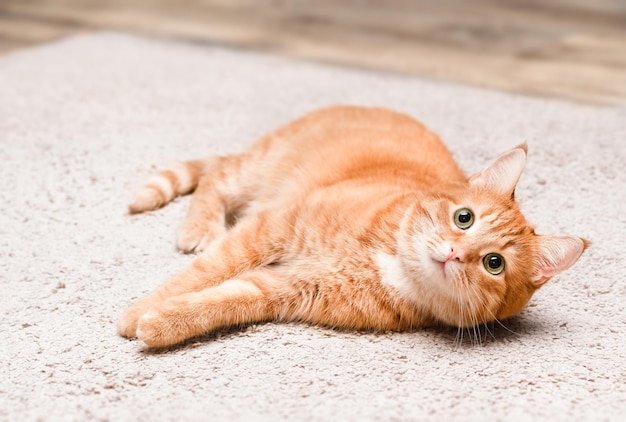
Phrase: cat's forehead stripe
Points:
(486, 212)
(488, 216)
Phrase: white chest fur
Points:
(394, 276)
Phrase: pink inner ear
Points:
(556, 254)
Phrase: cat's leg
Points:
(255, 242)
(218, 193)
(206, 218)
(248, 298)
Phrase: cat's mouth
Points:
(445, 269)
(440, 267)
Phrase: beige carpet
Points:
(82, 123)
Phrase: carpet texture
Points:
(84, 121)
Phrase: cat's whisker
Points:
(458, 280)
(501, 324)
(458, 339)
(494, 319)
(460, 325)
(475, 327)
(476, 319)
(485, 319)
(475, 297)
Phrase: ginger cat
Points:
(348, 217)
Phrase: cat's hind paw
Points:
(195, 238)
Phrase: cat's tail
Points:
(180, 179)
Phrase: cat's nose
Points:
(456, 253)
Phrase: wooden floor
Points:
(568, 49)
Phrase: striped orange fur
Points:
(348, 217)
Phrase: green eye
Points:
(493, 263)
(463, 218)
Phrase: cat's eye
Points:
(464, 218)
(494, 263)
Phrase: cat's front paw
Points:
(161, 326)
(127, 324)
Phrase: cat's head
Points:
(478, 257)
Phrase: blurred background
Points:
(573, 50)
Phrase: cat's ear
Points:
(502, 175)
(556, 254)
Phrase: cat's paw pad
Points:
(195, 238)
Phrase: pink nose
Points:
(456, 252)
